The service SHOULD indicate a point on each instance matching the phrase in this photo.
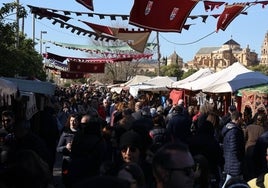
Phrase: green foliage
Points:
(172, 71)
(260, 68)
(17, 58)
(150, 74)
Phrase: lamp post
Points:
(41, 40)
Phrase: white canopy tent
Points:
(34, 86)
(136, 80)
(158, 83)
(222, 76)
(240, 81)
(197, 75)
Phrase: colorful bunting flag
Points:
(49, 55)
(210, 5)
(86, 3)
(229, 14)
(136, 39)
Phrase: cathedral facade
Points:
(219, 58)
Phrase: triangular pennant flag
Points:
(210, 5)
(55, 57)
(102, 29)
(136, 40)
(86, 3)
(229, 14)
(264, 3)
(45, 13)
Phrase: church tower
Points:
(264, 51)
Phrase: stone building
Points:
(219, 58)
(175, 59)
(264, 51)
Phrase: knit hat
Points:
(131, 138)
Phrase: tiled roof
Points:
(207, 50)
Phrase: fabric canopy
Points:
(158, 83)
(34, 86)
(199, 74)
(220, 77)
(240, 81)
(136, 80)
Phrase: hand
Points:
(65, 110)
(69, 146)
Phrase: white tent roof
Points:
(158, 83)
(197, 75)
(222, 76)
(136, 80)
(240, 81)
(34, 86)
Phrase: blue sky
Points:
(245, 29)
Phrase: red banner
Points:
(161, 15)
(229, 14)
(71, 75)
(86, 67)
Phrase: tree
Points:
(17, 59)
(172, 70)
(260, 68)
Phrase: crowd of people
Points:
(108, 139)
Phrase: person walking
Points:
(65, 144)
(233, 147)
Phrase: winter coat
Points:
(179, 127)
(65, 138)
(233, 149)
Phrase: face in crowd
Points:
(130, 154)
(8, 121)
(173, 167)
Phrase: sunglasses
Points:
(131, 149)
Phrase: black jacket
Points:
(233, 149)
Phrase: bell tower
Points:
(264, 51)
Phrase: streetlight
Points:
(41, 40)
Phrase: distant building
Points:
(144, 68)
(219, 58)
(264, 51)
(175, 59)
